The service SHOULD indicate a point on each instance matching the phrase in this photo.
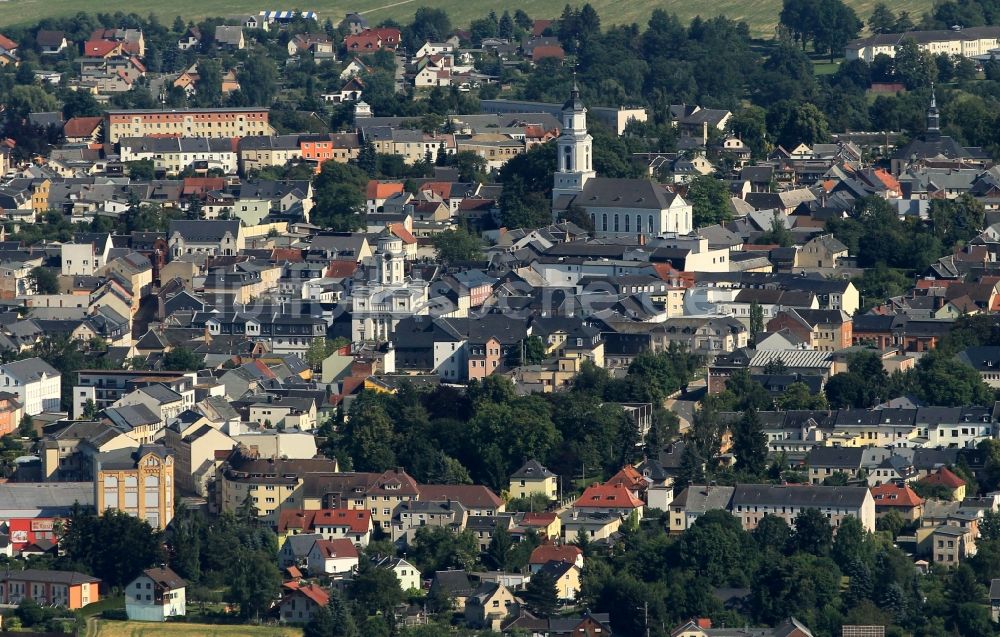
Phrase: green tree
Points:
(254, 582)
(750, 443)
(43, 280)
(943, 380)
(795, 123)
(182, 359)
(375, 589)
(142, 170)
(835, 26)
(798, 396)
(778, 234)
(756, 322)
(439, 549)
(339, 197)
(812, 532)
(258, 81)
(457, 245)
(717, 549)
(499, 549)
(913, 66)
(882, 20)
(369, 434)
(115, 546)
(80, 104)
(709, 199)
(541, 595)
(852, 542)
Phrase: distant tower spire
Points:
(933, 117)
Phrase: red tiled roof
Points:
(896, 495)
(7, 43)
(887, 179)
(295, 519)
(337, 548)
(440, 188)
(629, 477)
(539, 26)
(474, 496)
(315, 593)
(356, 520)
(401, 232)
(477, 204)
(293, 255)
(194, 185)
(383, 189)
(607, 496)
(341, 268)
(293, 572)
(99, 48)
(538, 519)
(547, 51)
(555, 553)
(927, 284)
(944, 476)
(81, 126)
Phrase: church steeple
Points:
(933, 118)
(574, 149)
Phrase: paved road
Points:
(684, 405)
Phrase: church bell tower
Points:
(574, 148)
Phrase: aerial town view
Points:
(431, 319)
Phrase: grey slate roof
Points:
(29, 369)
(799, 495)
(203, 230)
(640, 194)
(532, 470)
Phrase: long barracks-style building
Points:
(187, 122)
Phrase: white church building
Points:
(389, 295)
(618, 207)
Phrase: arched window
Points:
(568, 154)
(151, 492)
(626, 223)
(604, 222)
(638, 223)
(110, 492)
(651, 230)
(616, 223)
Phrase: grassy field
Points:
(762, 15)
(145, 629)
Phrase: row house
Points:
(174, 155)
(751, 502)
(227, 123)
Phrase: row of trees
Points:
(484, 434)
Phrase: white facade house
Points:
(389, 296)
(155, 595)
(406, 573)
(83, 259)
(332, 557)
(969, 42)
(173, 155)
(35, 383)
(617, 207)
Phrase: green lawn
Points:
(762, 15)
(108, 603)
(825, 68)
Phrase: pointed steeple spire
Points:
(933, 117)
